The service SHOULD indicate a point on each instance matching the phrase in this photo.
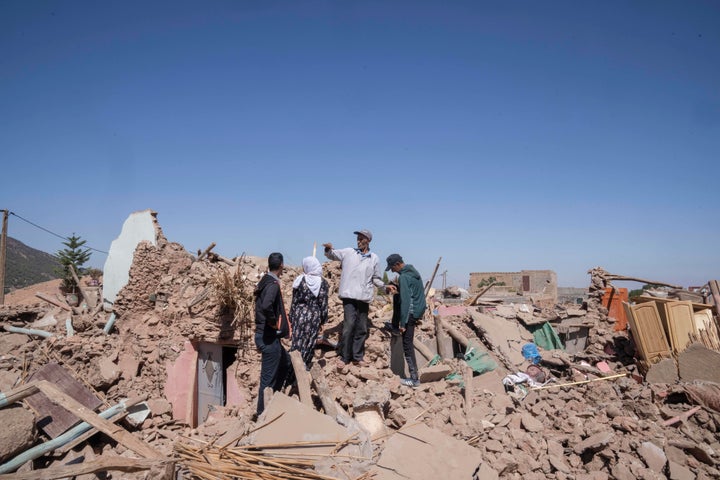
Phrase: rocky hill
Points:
(26, 266)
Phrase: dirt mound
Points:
(26, 296)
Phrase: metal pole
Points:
(3, 251)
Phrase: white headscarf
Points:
(312, 275)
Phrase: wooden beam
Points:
(57, 303)
(432, 277)
(3, 254)
(226, 260)
(715, 291)
(267, 396)
(468, 382)
(424, 351)
(442, 339)
(480, 294)
(610, 276)
(682, 417)
(582, 382)
(323, 391)
(199, 297)
(115, 432)
(103, 464)
(77, 441)
(206, 251)
(302, 377)
(455, 334)
(17, 394)
(90, 301)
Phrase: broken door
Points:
(210, 389)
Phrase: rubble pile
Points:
(480, 412)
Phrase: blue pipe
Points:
(110, 323)
(29, 331)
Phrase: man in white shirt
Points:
(361, 273)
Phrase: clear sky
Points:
(501, 136)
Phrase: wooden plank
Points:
(432, 277)
(52, 419)
(444, 346)
(455, 334)
(82, 438)
(78, 440)
(715, 291)
(424, 351)
(90, 301)
(323, 391)
(480, 294)
(468, 387)
(302, 377)
(52, 301)
(104, 464)
(648, 331)
(115, 432)
(17, 394)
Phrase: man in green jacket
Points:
(412, 308)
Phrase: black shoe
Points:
(393, 330)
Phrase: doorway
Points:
(213, 361)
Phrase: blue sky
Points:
(499, 135)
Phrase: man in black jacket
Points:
(271, 324)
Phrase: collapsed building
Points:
(164, 353)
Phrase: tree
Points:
(381, 290)
(487, 281)
(636, 293)
(73, 255)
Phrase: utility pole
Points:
(3, 253)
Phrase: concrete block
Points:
(417, 451)
(434, 373)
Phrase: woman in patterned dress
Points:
(309, 309)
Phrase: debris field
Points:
(116, 391)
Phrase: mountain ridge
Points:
(25, 266)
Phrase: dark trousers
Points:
(396, 311)
(274, 370)
(409, 348)
(355, 330)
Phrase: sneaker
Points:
(409, 382)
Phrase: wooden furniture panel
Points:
(52, 418)
(648, 332)
(680, 324)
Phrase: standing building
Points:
(525, 282)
